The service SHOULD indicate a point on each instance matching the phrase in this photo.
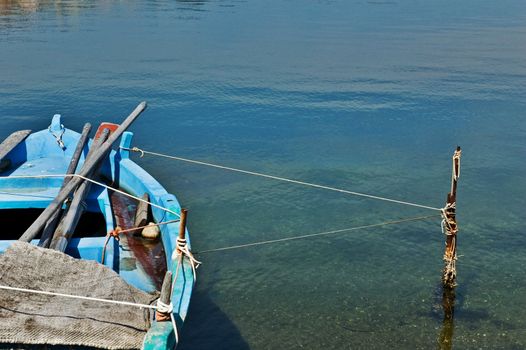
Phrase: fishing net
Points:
(27, 318)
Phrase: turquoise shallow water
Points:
(371, 96)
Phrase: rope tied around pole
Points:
(182, 250)
(449, 224)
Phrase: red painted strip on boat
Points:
(150, 254)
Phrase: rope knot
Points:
(58, 137)
(137, 149)
(115, 233)
(182, 251)
(181, 244)
(164, 308)
(449, 223)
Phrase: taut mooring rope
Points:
(418, 218)
(143, 152)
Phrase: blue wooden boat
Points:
(140, 262)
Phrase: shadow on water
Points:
(207, 327)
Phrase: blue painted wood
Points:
(40, 153)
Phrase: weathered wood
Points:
(12, 141)
(142, 215)
(51, 224)
(165, 297)
(88, 166)
(77, 207)
(182, 224)
(450, 226)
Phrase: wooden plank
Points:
(88, 166)
(12, 141)
(142, 215)
(69, 221)
(51, 224)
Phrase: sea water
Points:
(368, 96)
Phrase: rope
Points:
(182, 251)
(167, 309)
(143, 152)
(92, 181)
(149, 225)
(115, 234)
(34, 291)
(448, 223)
(159, 307)
(419, 218)
(58, 138)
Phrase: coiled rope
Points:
(303, 183)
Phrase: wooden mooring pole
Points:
(450, 227)
(165, 297)
(182, 226)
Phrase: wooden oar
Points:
(9, 144)
(77, 207)
(51, 224)
(88, 166)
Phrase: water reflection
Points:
(8, 7)
(445, 341)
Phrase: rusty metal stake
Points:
(450, 227)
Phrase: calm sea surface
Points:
(370, 96)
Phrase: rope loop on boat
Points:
(115, 234)
(58, 137)
(164, 308)
(303, 183)
(136, 149)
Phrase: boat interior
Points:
(141, 262)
